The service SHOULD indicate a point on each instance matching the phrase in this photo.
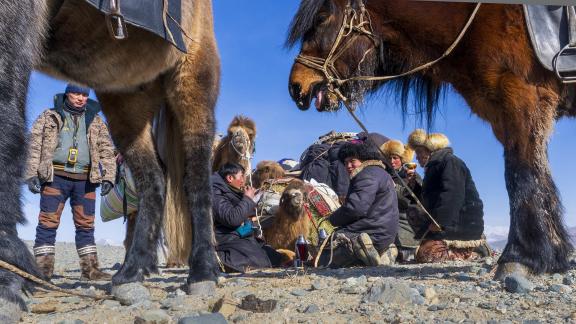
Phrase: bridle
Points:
(356, 23)
(244, 139)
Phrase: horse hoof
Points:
(202, 288)
(9, 312)
(511, 268)
(131, 293)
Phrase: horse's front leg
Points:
(192, 94)
(130, 118)
(537, 241)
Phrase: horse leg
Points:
(192, 92)
(130, 117)
(21, 28)
(537, 241)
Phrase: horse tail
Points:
(177, 222)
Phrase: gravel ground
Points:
(457, 292)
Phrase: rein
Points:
(356, 24)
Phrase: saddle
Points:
(151, 15)
(552, 30)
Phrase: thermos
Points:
(301, 251)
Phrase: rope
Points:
(26, 275)
(326, 66)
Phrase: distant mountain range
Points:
(497, 238)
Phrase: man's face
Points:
(351, 164)
(422, 155)
(237, 180)
(395, 161)
(77, 100)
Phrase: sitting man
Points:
(451, 198)
(233, 209)
(400, 157)
(368, 219)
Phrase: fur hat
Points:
(362, 152)
(395, 147)
(433, 141)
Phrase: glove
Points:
(34, 185)
(106, 187)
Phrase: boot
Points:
(44, 256)
(89, 265)
(366, 251)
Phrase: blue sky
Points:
(255, 68)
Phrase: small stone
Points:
(130, 293)
(352, 290)
(517, 284)
(389, 292)
(237, 282)
(221, 280)
(214, 318)
(482, 272)
(180, 292)
(430, 295)
(173, 303)
(202, 288)
(241, 294)
(489, 262)
(111, 303)
(559, 288)
(43, 308)
(557, 277)
(225, 306)
(356, 281)
(71, 300)
(485, 305)
(433, 308)
(568, 281)
(484, 284)
(157, 316)
(463, 277)
(76, 321)
(257, 305)
(298, 292)
(319, 284)
(311, 309)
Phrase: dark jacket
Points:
(450, 195)
(371, 205)
(231, 208)
(406, 232)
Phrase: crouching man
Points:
(70, 154)
(233, 209)
(368, 219)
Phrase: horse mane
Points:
(303, 21)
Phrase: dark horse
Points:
(493, 67)
(132, 78)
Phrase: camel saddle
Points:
(552, 30)
(148, 15)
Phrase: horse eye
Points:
(322, 17)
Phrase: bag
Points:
(122, 200)
(245, 229)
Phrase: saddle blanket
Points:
(549, 32)
(148, 15)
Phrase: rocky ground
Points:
(456, 292)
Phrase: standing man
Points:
(70, 154)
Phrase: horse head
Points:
(346, 43)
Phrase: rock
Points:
(215, 318)
(157, 316)
(389, 292)
(202, 288)
(130, 293)
(356, 281)
(173, 303)
(71, 300)
(485, 305)
(298, 292)
(463, 277)
(180, 292)
(111, 303)
(559, 288)
(311, 309)
(44, 308)
(489, 262)
(241, 294)
(482, 272)
(568, 281)
(352, 290)
(517, 284)
(430, 295)
(225, 306)
(237, 282)
(319, 284)
(257, 305)
(557, 277)
(76, 321)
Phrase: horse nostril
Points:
(295, 89)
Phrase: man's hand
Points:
(34, 185)
(249, 192)
(106, 187)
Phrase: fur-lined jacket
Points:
(44, 140)
(371, 205)
(450, 195)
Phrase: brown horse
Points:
(237, 146)
(132, 78)
(493, 67)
